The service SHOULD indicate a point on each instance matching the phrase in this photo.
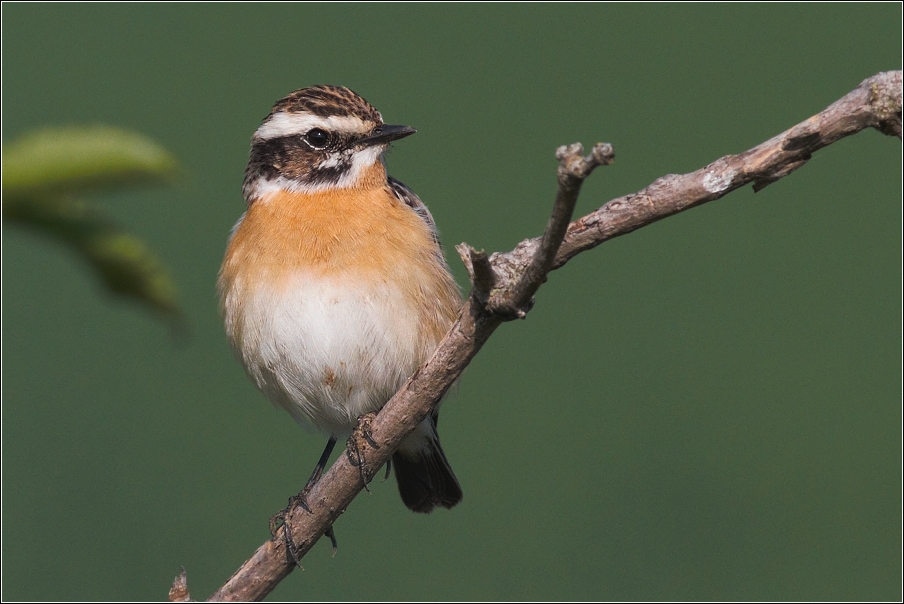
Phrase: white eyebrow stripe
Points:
(293, 124)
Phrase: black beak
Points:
(385, 134)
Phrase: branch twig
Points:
(876, 103)
(504, 284)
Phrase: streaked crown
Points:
(327, 101)
(314, 139)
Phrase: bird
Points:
(334, 288)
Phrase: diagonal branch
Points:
(876, 103)
(514, 300)
(504, 284)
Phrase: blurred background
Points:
(709, 408)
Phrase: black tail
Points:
(425, 478)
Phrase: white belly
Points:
(325, 350)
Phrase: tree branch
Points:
(876, 103)
(504, 284)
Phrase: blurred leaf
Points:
(123, 261)
(56, 160)
(42, 169)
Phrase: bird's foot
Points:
(281, 519)
(357, 445)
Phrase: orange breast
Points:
(358, 236)
(362, 231)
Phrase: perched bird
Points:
(334, 288)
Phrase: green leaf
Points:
(43, 168)
(70, 159)
(124, 262)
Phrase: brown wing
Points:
(409, 198)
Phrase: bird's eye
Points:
(317, 138)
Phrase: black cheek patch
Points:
(331, 174)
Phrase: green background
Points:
(708, 408)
